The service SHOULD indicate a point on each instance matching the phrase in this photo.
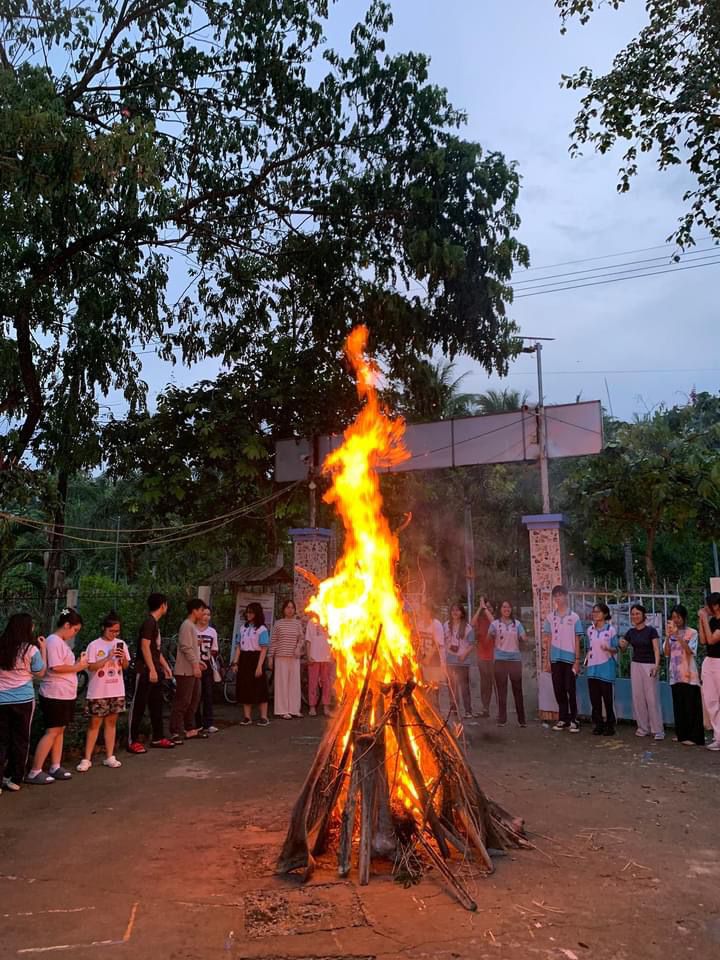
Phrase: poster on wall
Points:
(242, 599)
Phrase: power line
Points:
(580, 370)
(609, 256)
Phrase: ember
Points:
(388, 771)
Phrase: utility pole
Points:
(542, 437)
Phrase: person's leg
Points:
(453, 688)
(594, 689)
(607, 694)
(183, 696)
(6, 738)
(326, 683)
(207, 695)
(281, 687)
(558, 682)
(501, 680)
(155, 705)
(696, 728)
(487, 677)
(194, 693)
(678, 710)
(56, 751)
(571, 686)
(515, 673)
(711, 693)
(139, 703)
(110, 734)
(465, 687)
(91, 736)
(294, 688)
(639, 701)
(18, 746)
(45, 745)
(313, 680)
(654, 708)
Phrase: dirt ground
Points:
(171, 857)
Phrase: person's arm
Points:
(146, 653)
(579, 633)
(263, 643)
(188, 646)
(666, 646)
(656, 651)
(308, 638)
(37, 662)
(300, 641)
(522, 636)
(713, 637)
(79, 665)
(703, 625)
(469, 643)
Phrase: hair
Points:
(69, 616)
(285, 606)
(713, 599)
(604, 610)
(681, 611)
(640, 607)
(559, 591)
(155, 601)
(15, 639)
(110, 620)
(259, 620)
(195, 604)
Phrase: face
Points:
(249, 615)
(561, 601)
(597, 615)
(456, 613)
(289, 609)
(163, 610)
(636, 618)
(715, 609)
(677, 620)
(112, 632)
(205, 618)
(506, 610)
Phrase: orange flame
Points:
(362, 593)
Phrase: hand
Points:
(40, 641)
(233, 668)
(152, 676)
(167, 673)
(653, 672)
(196, 671)
(258, 673)
(203, 666)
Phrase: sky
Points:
(634, 344)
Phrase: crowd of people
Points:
(492, 638)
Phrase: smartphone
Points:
(118, 646)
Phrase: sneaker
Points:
(574, 726)
(83, 766)
(688, 743)
(8, 784)
(163, 744)
(658, 736)
(212, 729)
(598, 730)
(312, 712)
(609, 732)
(467, 716)
(640, 733)
(264, 722)
(176, 740)
(560, 725)
(713, 745)
(136, 747)
(246, 722)
(112, 762)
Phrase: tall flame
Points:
(362, 594)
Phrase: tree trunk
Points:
(650, 534)
(55, 574)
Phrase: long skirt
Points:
(687, 708)
(286, 686)
(250, 689)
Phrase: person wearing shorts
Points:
(107, 657)
(58, 691)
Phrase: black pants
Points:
(15, 722)
(187, 698)
(487, 682)
(205, 715)
(563, 681)
(147, 695)
(601, 695)
(687, 708)
(459, 682)
(509, 670)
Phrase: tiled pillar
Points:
(311, 552)
(546, 570)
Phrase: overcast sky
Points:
(642, 341)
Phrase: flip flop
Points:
(60, 774)
(40, 779)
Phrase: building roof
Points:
(253, 576)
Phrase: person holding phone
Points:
(22, 659)
(107, 657)
(459, 641)
(58, 692)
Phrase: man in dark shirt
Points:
(150, 665)
(711, 670)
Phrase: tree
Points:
(657, 476)
(429, 391)
(662, 94)
(141, 140)
(500, 401)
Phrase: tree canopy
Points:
(662, 95)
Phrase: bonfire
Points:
(389, 776)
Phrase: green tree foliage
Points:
(195, 175)
(506, 400)
(658, 477)
(662, 94)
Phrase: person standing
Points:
(209, 649)
(286, 647)
(249, 661)
(602, 669)
(22, 659)
(507, 634)
(107, 657)
(58, 691)
(431, 651)
(711, 670)
(150, 666)
(644, 671)
(485, 646)
(459, 640)
(680, 647)
(320, 666)
(563, 632)
(188, 671)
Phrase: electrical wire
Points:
(609, 256)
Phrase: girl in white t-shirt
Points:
(107, 657)
(58, 691)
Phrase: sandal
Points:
(246, 722)
(39, 778)
(60, 774)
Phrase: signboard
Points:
(572, 430)
(242, 599)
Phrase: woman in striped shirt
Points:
(286, 646)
